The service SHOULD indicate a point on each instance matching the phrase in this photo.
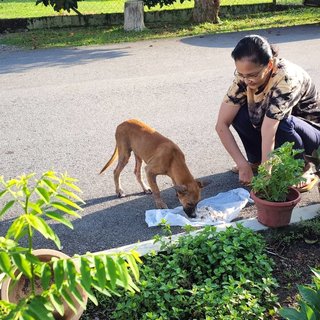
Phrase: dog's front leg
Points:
(152, 180)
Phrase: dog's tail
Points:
(112, 159)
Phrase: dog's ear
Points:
(202, 183)
(182, 189)
(314, 160)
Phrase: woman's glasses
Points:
(249, 77)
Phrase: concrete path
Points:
(59, 109)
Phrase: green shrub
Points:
(213, 275)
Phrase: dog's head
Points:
(315, 159)
(189, 195)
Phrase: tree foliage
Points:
(59, 5)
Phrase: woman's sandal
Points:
(312, 180)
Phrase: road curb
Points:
(145, 247)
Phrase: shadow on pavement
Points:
(274, 35)
(20, 61)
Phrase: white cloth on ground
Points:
(224, 207)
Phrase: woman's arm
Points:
(226, 115)
(268, 135)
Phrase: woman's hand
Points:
(245, 174)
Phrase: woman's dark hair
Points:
(256, 48)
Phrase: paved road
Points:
(59, 109)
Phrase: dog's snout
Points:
(190, 211)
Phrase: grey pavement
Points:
(59, 109)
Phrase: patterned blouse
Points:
(289, 91)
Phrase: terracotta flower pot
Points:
(276, 214)
(23, 287)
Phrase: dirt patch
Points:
(293, 258)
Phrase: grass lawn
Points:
(28, 9)
(97, 36)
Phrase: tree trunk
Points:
(133, 16)
(206, 11)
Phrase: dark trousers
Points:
(291, 129)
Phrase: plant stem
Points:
(30, 246)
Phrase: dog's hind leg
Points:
(123, 159)
(137, 171)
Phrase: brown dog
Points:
(162, 157)
(315, 159)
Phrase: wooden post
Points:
(133, 15)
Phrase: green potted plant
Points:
(272, 189)
(47, 284)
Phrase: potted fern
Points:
(272, 189)
(47, 284)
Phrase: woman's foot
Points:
(310, 179)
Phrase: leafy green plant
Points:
(51, 197)
(309, 304)
(276, 175)
(209, 275)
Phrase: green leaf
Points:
(12, 182)
(57, 303)
(316, 272)
(28, 315)
(3, 192)
(43, 193)
(66, 296)
(52, 186)
(85, 271)
(86, 278)
(112, 270)
(5, 264)
(78, 296)
(105, 291)
(73, 186)
(62, 207)
(307, 311)
(58, 271)
(7, 207)
(41, 308)
(71, 194)
(35, 207)
(59, 218)
(100, 271)
(40, 225)
(70, 272)
(46, 276)
(68, 201)
(23, 264)
(310, 296)
(133, 266)
(133, 286)
(291, 314)
(17, 228)
(123, 272)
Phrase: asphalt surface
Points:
(59, 109)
